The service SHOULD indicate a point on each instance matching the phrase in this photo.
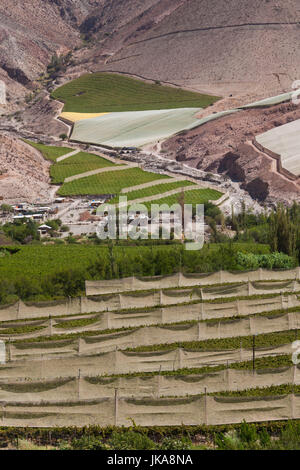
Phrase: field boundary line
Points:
(153, 183)
(100, 170)
(157, 197)
(68, 155)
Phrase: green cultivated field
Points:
(77, 164)
(104, 92)
(36, 261)
(197, 196)
(153, 190)
(49, 152)
(108, 183)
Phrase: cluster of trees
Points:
(26, 231)
(21, 232)
(279, 228)
(6, 208)
(272, 261)
(61, 284)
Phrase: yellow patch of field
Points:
(75, 117)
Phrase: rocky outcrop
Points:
(230, 166)
(258, 189)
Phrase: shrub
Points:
(245, 438)
(88, 443)
(267, 261)
(130, 440)
(169, 443)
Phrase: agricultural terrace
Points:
(105, 92)
(108, 183)
(197, 196)
(77, 164)
(189, 357)
(154, 190)
(49, 152)
(194, 347)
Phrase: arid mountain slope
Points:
(221, 46)
(243, 47)
(24, 173)
(31, 31)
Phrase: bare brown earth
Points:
(225, 146)
(24, 172)
(217, 46)
(31, 31)
(39, 117)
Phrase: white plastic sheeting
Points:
(285, 141)
(135, 128)
(138, 128)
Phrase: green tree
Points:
(282, 231)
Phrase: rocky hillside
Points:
(225, 146)
(220, 46)
(31, 31)
(24, 173)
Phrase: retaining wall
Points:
(278, 159)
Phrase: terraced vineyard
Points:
(108, 183)
(197, 196)
(187, 358)
(72, 172)
(105, 92)
(153, 190)
(116, 111)
(77, 164)
(48, 151)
